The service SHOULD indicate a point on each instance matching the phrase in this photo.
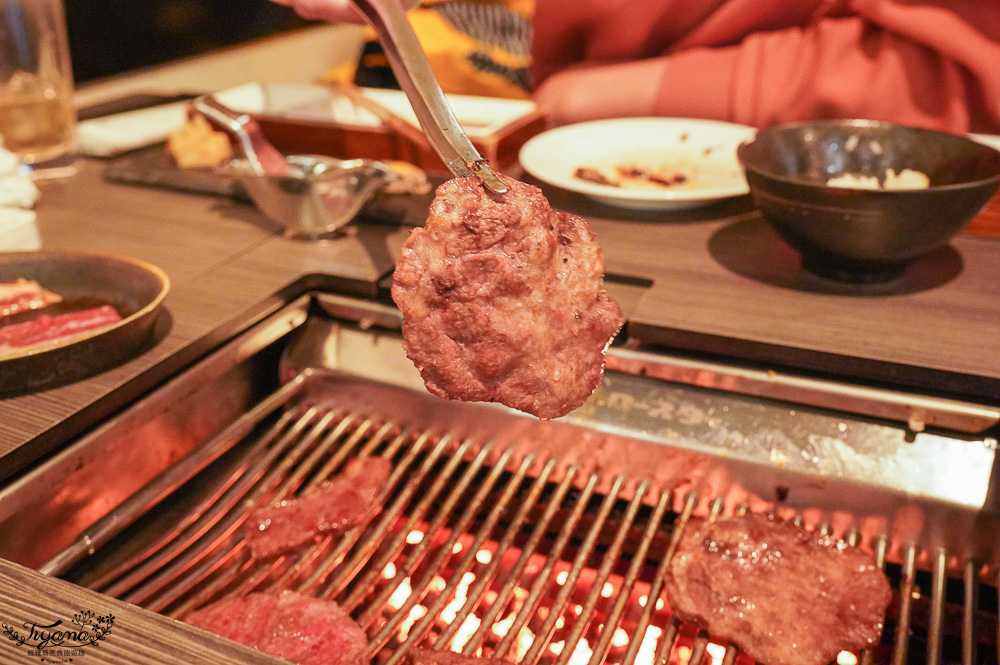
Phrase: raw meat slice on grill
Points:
(783, 595)
(56, 328)
(503, 300)
(428, 657)
(289, 625)
(23, 295)
(338, 503)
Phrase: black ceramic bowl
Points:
(866, 235)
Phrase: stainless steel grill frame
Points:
(485, 480)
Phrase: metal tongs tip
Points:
(415, 77)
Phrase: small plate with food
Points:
(67, 315)
(642, 163)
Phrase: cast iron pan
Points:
(135, 288)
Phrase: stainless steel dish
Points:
(307, 195)
(318, 195)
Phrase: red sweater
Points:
(934, 63)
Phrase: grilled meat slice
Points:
(338, 503)
(23, 295)
(503, 300)
(53, 329)
(292, 626)
(783, 595)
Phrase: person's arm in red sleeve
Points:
(924, 66)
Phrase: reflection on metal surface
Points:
(917, 411)
(793, 439)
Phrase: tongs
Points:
(262, 157)
(415, 77)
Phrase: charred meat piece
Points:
(56, 328)
(594, 176)
(292, 626)
(335, 504)
(503, 300)
(783, 595)
(428, 657)
(24, 295)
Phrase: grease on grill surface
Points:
(784, 595)
(503, 300)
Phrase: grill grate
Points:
(479, 548)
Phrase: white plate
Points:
(703, 150)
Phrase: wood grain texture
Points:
(987, 223)
(137, 637)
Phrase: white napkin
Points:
(18, 230)
(114, 134)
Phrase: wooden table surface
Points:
(719, 281)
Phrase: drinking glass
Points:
(37, 116)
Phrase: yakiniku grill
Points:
(499, 535)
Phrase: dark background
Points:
(108, 37)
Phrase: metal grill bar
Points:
(971, 584)
(638, 559)
(905, 605)
(368, 614)
(544, 634)
(670, 632)
(609, 559)
(881, 546)
(540, 528)
(422, 626)
(477, 591)
(445, 549)
(698, 649)
(939, 572)
(544, 575)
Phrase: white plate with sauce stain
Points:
(692, 162)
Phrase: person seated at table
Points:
(930, 63)
(480, 47)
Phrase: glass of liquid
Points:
(37, 115)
